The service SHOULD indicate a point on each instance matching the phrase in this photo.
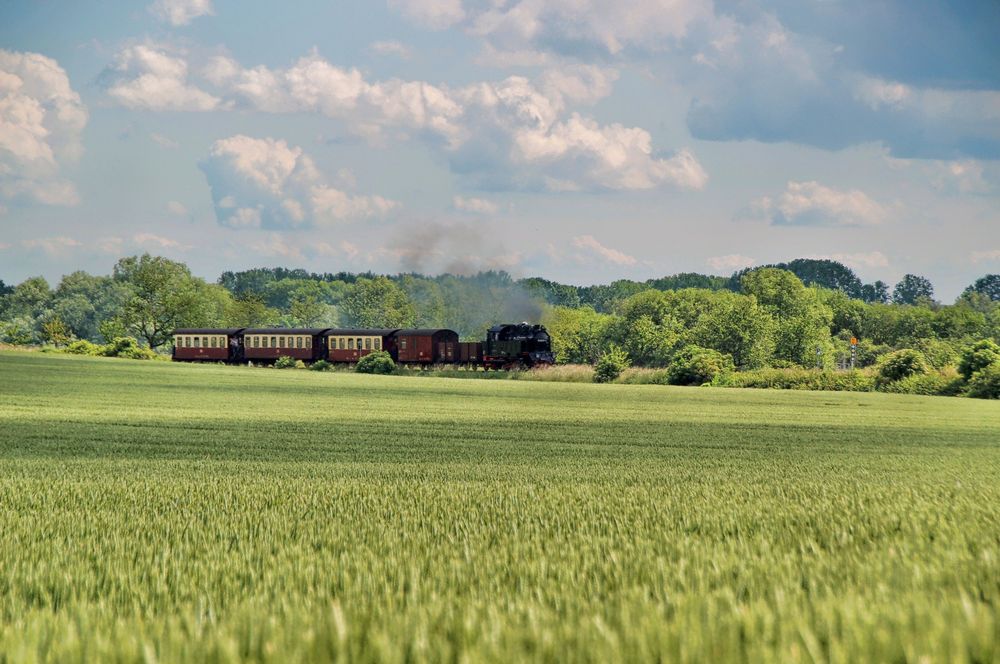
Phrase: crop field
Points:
(165, 513)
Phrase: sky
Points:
(578, 140)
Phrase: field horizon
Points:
(167, 512)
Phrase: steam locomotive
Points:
(507, 346)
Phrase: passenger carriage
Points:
(350, 345)
(268, 344)
(208, 344)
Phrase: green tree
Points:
(911, 289)
(249, 310)
(378, 302)
(55, 331)
(611, 364)
(163, 295)
(578, 335)
(978, 356)
(802, 321)
(988, 285)
(737, 326)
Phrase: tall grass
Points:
(176, 513)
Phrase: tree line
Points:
(800, 313)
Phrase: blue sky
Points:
(578, 140)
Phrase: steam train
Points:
(507, 346)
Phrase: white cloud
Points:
(52, 246)
(730, 262)
(515, 133)
(177, 208)
(812, 204)
(180, 12)
(591, 248)
(859, 260)
(474, 205)
(985, 256)
(435, 14)
(163, 141)
(390, 48)
(265, 183)
(567, 25)
(41, 120)
(158, 242)
(148, 77)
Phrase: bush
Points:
(84, 347)
(610, 365)
(128, 348)
(985, 383)
(932, 384)
(799, 379)
(694, 365)
(321, 365)
(901, 364)
(285, 362)
(377, 362)
(978, 356)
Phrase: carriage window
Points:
(343, 343)
(187, 342)
(256, 342)
(274, 342)
(298, 342)
(378, 344)
(359, 343)
(368, 343)
(212, 341)
(281, 342)
(402, 343)
(350, 343)
(309, 342)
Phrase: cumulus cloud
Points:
(812, 204)
(41, 119)
(568, 26)
(177, 208)
(514, 133)
(149, 77)
(180, 12)
(265, 183)
(591, 249)
(730, 262)
(474, 205)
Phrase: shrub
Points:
(377, 362)
(128, 348)
(321, 365)
(611, 364)
(694, 365)
(985, 383)
(901, 364)
(284, 362)
(799, 379)
(932, 384)
(84, 347)
(978, 356)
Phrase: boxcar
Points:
(431, 346)
(470, 352)
(350, 345)
(208, 344)
(268, 344)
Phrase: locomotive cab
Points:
(513, 345)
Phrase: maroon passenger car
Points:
(268, 344)
(350, 345)
(429, 346)
(208, 344)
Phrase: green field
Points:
(161, 512)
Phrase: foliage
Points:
(611, 364)
(988, 285)
(985, 383)
(84, 347)
(364, 520)
(285, 362)
(128, 348)
(321, 365)
(901, 364)
(737, 326)
(694, 365)
(799, 379)
(911, 289)
(930, 384)
(378, 303)
(579, 336)
(376, 362)
(56, 332)
(978, 356)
